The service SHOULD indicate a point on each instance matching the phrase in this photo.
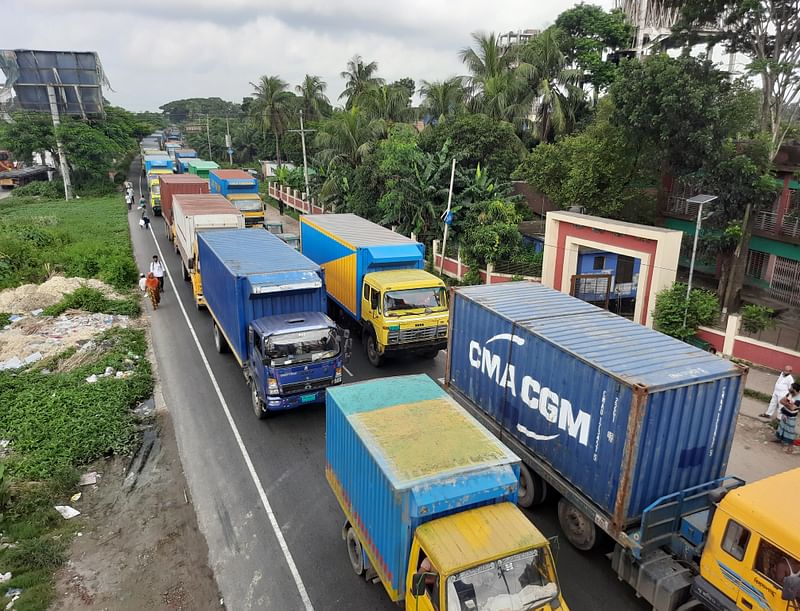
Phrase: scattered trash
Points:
(5, 577)
(12, 363)
(37, 311)
(7, 546)
(87, 479)
(92, 379)
(108, 372)
(15, 317)
(80, 534)
(75, 497)
(145, 409)
(32, 358)
(67, 512)
(12, 592)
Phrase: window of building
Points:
(624, 269)
(599, 263)
(735, 540)
(757, 263)
(773, 563)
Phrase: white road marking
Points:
(301, 588)
(350, 373)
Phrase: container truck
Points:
(201, 167)
(376, 278)
(182, 157)
(175, 184)
(241, 189)
(193, 213)
(628, 426)
(154, 188)
(428, 497)
(159, 162)
(267, 302)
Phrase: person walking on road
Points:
(142, 283)
(152, 290)
(782, 386)
(157, 269)
(144, 222)
(142, 202)
(786, 432)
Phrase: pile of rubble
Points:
(30, 297)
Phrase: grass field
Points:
(86, 237)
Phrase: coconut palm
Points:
(389, 103)
(271, 107)
(359, 77)
(314, 102)
(347, 136)
(441, 99)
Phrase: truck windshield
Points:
(430, 298)
(302, 347)
(523, 582)
(248, 205)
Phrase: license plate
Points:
(308, 398)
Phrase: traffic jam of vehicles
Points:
(545, 396)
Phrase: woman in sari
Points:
(151, 284)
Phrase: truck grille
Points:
(307, 386)
(250, 221)
(407, 336)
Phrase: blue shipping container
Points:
(349, 247)
(400, 452)
(249, 274)
(622, 413)
(157, 162)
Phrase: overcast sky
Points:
(155, 51)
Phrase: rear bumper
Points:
(411, 347)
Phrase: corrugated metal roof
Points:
(255, 251)
(181, 178)
(203, 203)
(617, 346)
(229, 174)
(355, 230)
(202, 164)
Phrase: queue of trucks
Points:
(545, 396)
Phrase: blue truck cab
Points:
(268, 305)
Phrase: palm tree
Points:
(557, 86)
(347, 136)
(359, 77)
(313, 99)
(441, 99)
(387, 102)
(270, 108)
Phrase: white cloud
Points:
(155, 51)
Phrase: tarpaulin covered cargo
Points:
(400, 452)
(249, 274)
(622, 413)
(349, 247)
(175, 184)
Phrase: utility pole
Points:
(302, 132)
(208, 134)
(447, 217)
(62, 158)
(228, 140)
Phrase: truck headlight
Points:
(337, 379)
(272, 386)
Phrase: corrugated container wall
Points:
(400, 452)
(174, 184)
(234, 264)
(192, 213)
(348, 247)
(623, 413)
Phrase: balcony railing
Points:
(766, 221)
(791, 226)
(679, 206)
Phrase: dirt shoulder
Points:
(140, 547)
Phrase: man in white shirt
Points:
(158, 271)
(782, 385)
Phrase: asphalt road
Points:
(272, 525)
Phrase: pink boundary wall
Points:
(749, 349)
(291, 198)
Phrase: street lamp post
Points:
(700, 200)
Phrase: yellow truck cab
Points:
(428, 496)
(154, 187)
(753, 546)
(251, 206)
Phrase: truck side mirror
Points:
(418, 584)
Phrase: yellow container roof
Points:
(395, 279)
(457, 542)
(756, 506)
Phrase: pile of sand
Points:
(30, 297)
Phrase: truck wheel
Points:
(429, 354)
(374, 357)
(578, 528)
(354, 551)
(220, 343)
(532, 488)
(258, 407)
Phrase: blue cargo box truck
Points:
(626, 424)
(157, 162)
(420, 480)
(268, 302)
(181, 159)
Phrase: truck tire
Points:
(532, 488)
(220, 343)
(429, 354)
(258, 406)
(354, 551)
(374, 357)
(578, 528)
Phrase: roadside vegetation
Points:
(87, 238)
(56, 422)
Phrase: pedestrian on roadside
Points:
(786, 432)
(129, 200)
(144, 222)
(142, 283)
(142, 202)
(157, 269)
(151, 283)
(782, 386)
